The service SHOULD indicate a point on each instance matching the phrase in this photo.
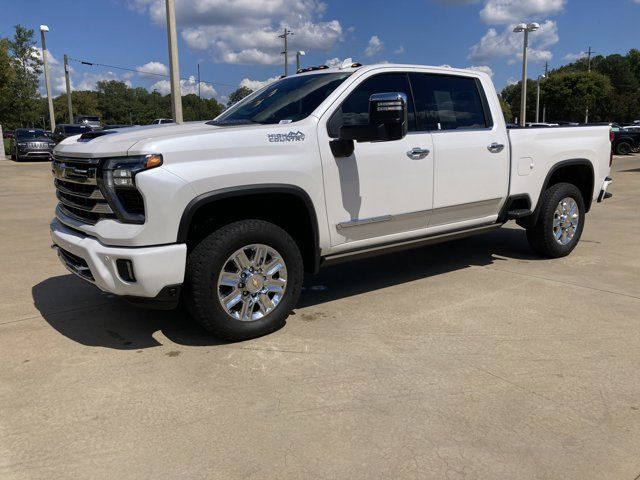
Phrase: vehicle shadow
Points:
(85, 315)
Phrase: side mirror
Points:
(387, 120)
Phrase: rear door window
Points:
(447, 102)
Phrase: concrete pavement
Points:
(474, 359)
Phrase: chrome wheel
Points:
(252, 282)
(566, 219)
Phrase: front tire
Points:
(561, 221)
(243, 280)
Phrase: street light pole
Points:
(68, 82)
(285, 52)
(538, 99)
(174, 70)
(523, 27)
(299, 53)
(52, 119)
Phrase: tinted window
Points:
(355, 109)
(76, 129)
(288, 100)
(26, 134)
(448, 103)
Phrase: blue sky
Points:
(235, 41)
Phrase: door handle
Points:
(495, 147)
(418, 153)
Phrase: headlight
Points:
(118, 185)
(22, 144)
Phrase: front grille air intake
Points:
(79, 197)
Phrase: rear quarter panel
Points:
(535, 152)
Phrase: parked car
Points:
(65, 130)
(91, 120)
(31, 143)
(7, 134)
(112, 127)
(626, 140)
(162, 121)
(316, 168)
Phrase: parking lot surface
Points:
(474, 359)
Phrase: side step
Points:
(519, 213)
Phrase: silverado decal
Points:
(286, 137)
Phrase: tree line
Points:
(611, 91)
(21, 104)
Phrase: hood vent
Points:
(87, 137)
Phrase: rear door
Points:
(471, 154)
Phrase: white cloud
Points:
(246, 31)
(256, 84)
(153, 69)
(502, 12)
(186, 87)
(88, 81)
(494, 45)
(512, 81)
(399, 50)
(482, 68)
(572, 57)
(333, 62)
(374, 46)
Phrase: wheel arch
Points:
(299, 217)
(584, 179)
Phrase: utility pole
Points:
(526, 29)
(52, 118)
(199, 96)
(544, 107)
(589, 53)
(174, 71)
(286, 33)
(66, 78)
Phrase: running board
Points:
(405, 245)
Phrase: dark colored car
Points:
(626, 140)
(112, 127)
(30, 143)
(65, 130)
(91, 120)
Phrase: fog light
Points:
(125, 270)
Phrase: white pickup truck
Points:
(320, 167)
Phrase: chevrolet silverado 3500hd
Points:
(315, 168)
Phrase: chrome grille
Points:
(40, 145)
(76, 182)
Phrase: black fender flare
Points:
(533, 218)
(247, 190)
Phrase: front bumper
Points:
(35, 153)
(603, 191)
(156, 269)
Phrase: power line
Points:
(116, 67)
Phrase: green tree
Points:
(26, 65)
(238, 95)
(567, 96)
(7, 75)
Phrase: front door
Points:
(384, 189)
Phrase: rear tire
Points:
(560, 223)
(238, 263)
(623, 148)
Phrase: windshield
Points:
(26, 134)
(288, 100)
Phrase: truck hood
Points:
(119, 141)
